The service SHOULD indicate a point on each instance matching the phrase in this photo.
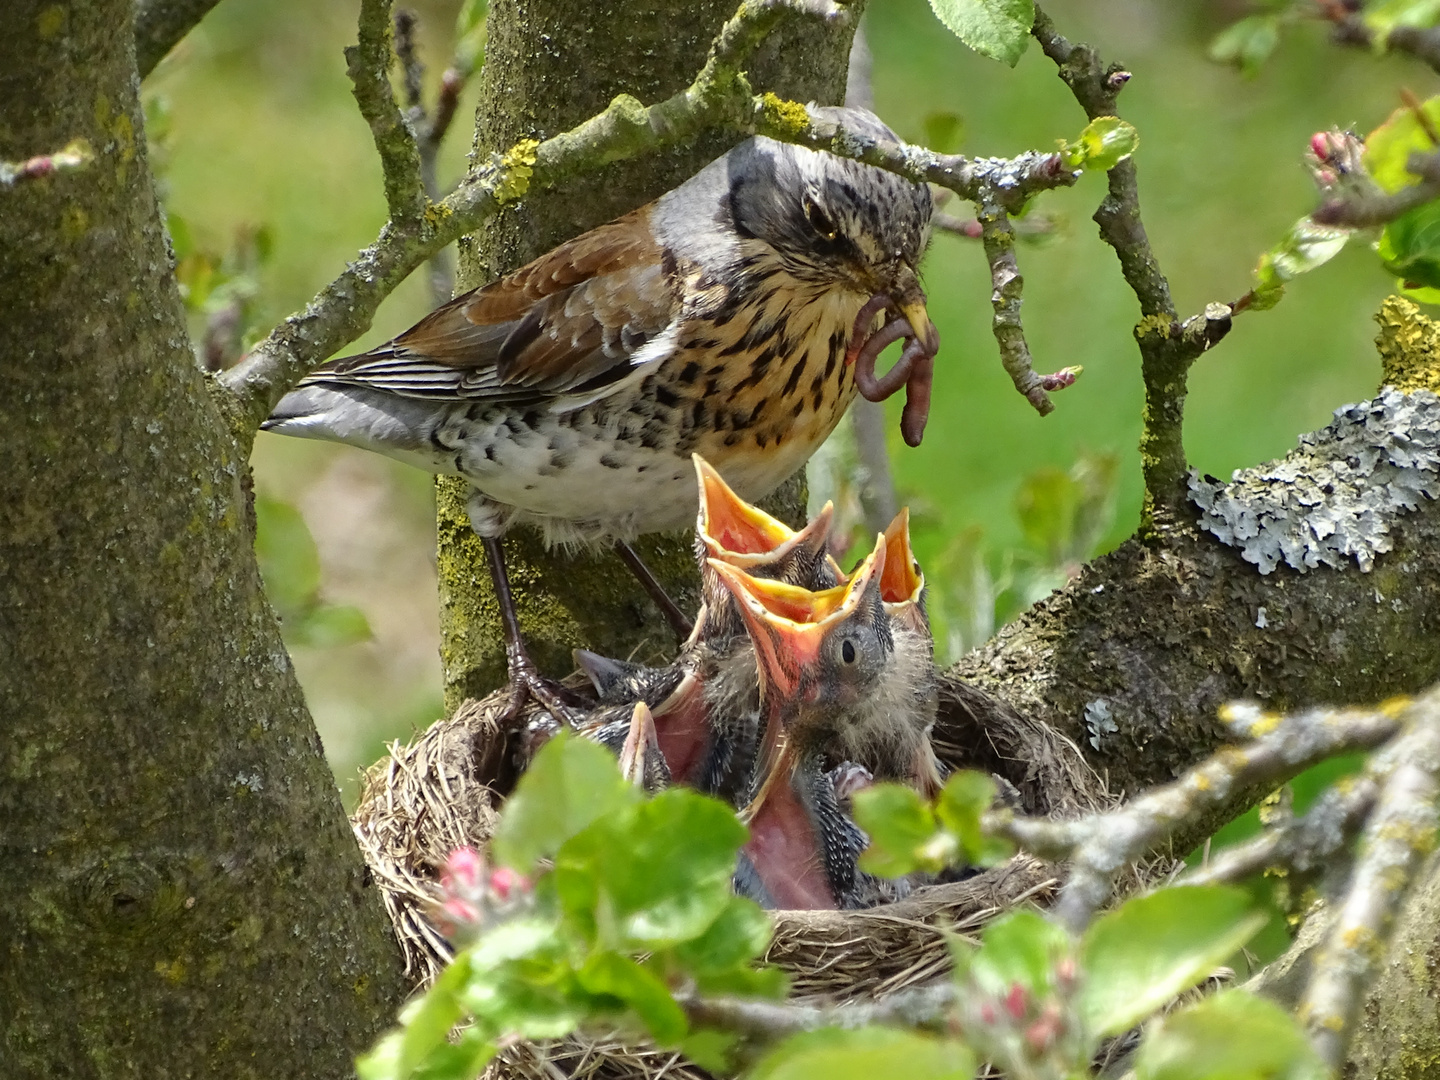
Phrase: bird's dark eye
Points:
(819, 220)
(847, 652)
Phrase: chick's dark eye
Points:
(847, 652)
(819, 220)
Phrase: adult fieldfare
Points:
(735, 316)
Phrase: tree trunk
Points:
(549, 65)
(180, 892)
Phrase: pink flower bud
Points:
(987, 1013)
(504, 882)
(1065, 972)
(1320, 145)
(1016, 1001)
(1040, 1035)
(460, 912)
(464, 868)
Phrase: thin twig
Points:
(1102, 845)
(769, 1021)
(719, 97)
(159, 26)
(970, 228)
(76, 154)
(368, 64)
(1167, 347)
(428, 135)
(1350, 29)
(1302, 843)
(1400, 834)
(1006, 284)
(1359, 210)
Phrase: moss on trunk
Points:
(548, 66)
(181, 894)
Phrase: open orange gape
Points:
(797, 675)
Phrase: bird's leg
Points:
(525, 678)
(681, 625)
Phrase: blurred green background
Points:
(260, 130)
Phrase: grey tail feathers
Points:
(386, 423)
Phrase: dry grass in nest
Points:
(424, 799)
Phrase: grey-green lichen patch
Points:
(1333, 499)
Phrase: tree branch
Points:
(159, 26)
(429, 133)
(719, 97)
(1350, 29)
(368, 64)
(998, 237)
(1361, 210)
(1167, 348)
(1102, 845)
(766, 1022)
(1301, 843)
(1397, 839)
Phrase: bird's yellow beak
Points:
(909, 297)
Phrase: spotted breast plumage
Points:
(722, 319)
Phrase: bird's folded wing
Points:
(570, 323)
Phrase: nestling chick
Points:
(821, 656)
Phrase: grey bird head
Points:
(831, 220)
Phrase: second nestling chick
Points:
(821, 656)
(706, 704)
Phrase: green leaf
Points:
(739, 934)
(999, 29)
(1105, 142)
(1389, 146)
(710, 1050)
(570, 784)
(428, 1019)
(656, 875)
(462, 1060)
(943, 132)
(1422, 295)
(1022, 948)
(1306, 246)
(965, 798)
(382, 1060)
(1231, 1035)
(513, 939)
(620, 977)
(1248, 43)
(865, 1054)
(1382, 16)
(1409, 246)
(763, 982)
(289, 561)
(470, 36)
(328, 626)
(898, 823)
(530, 999)
(1137, 958)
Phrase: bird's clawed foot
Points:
(526, 683)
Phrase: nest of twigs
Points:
(424, 799)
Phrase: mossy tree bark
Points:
(180, 894)
(550, 64)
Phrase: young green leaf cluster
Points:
(631, 903)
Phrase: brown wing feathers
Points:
(563, 321)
